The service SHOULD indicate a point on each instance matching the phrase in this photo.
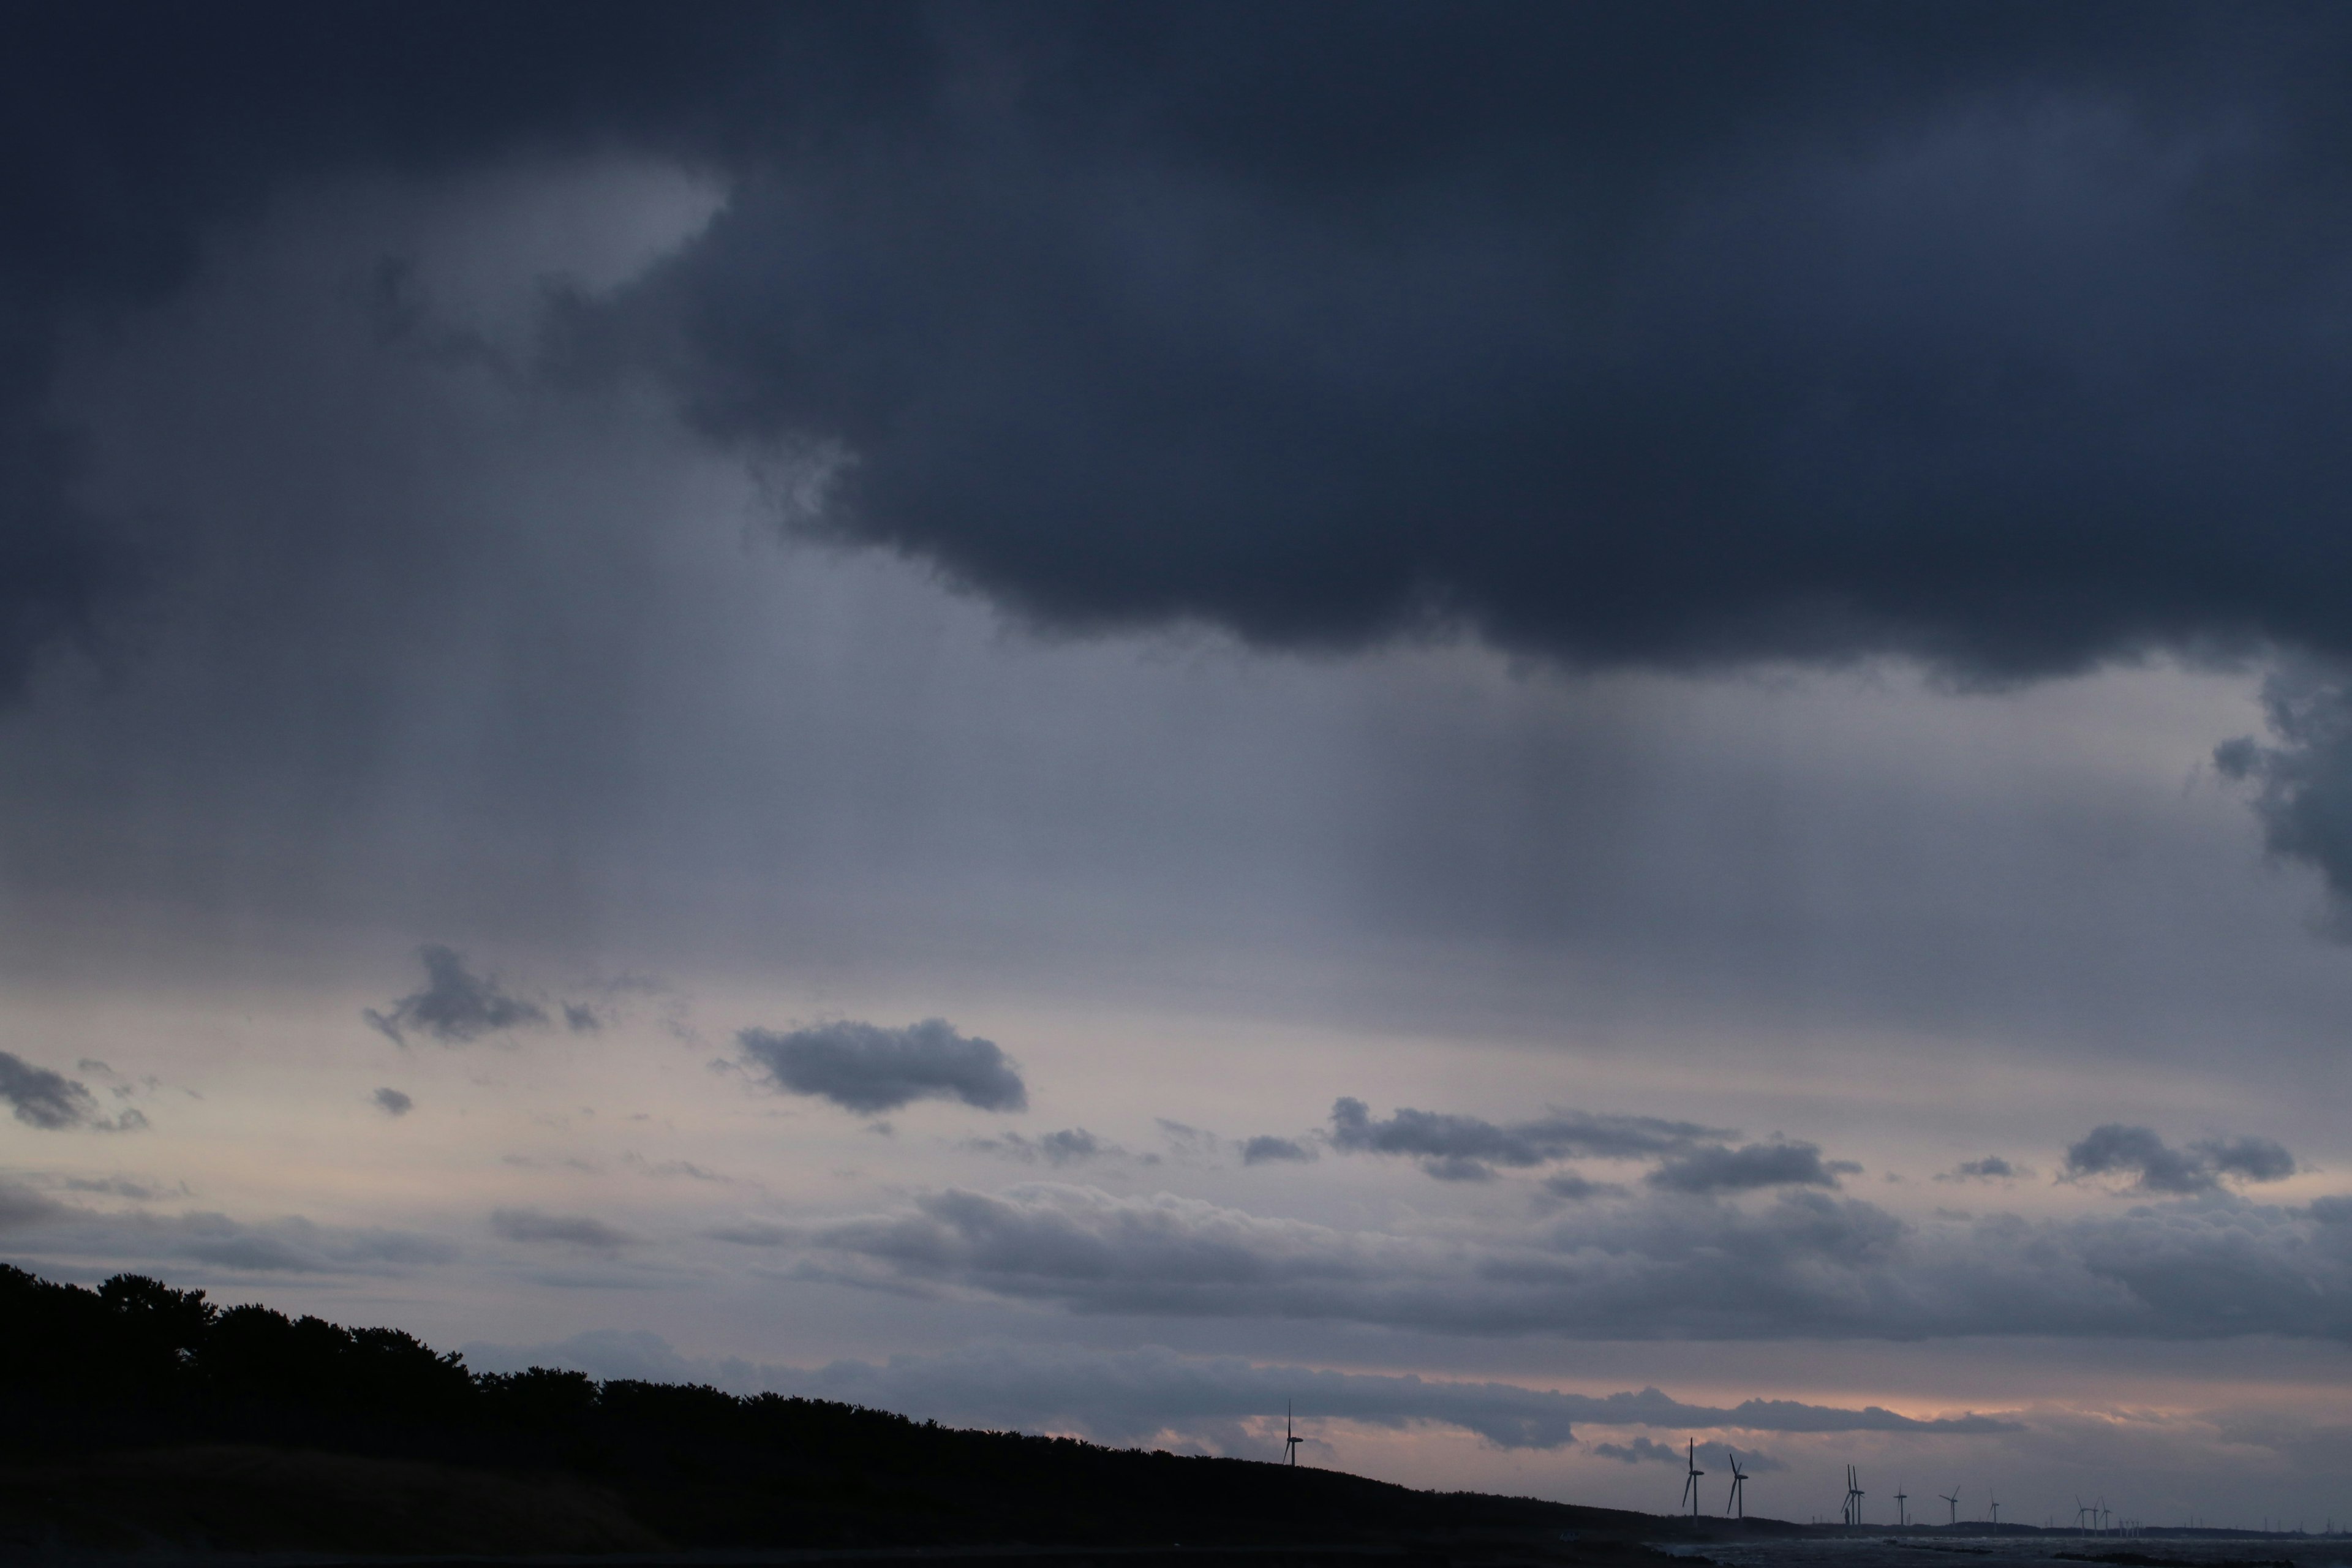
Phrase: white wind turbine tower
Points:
(1955, 1500)
(1738, 1501)
(1993, 1503)
(1290, 1439)
(1690, 1481)
(1901, 1514)
(1854, 1496)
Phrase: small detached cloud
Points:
(1070, 1146)
(570, 1230)
(44, 1099)
(53, 1103)
(1639, 1450)
(455, 1006)
(1718, 1168)
(1991, 1168)
(1267, 1150)
(1570, 1187)
(2119, 1150)
(868, 1069)
(1466, 1148)
(391, 1102)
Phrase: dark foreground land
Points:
(139, 1419)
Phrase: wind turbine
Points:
(1690, 1481)
(1993, 1503)
(1902, 1515)
(1955, 1500)
(1854, 1496)
(1290, 1439)
(1738, 1501)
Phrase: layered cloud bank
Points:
(1130, 1396)
(1805, 1264)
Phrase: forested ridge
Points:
(137, 1364)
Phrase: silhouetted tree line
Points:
(135, 1362)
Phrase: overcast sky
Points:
(1550, 729)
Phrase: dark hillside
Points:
(212, 1406)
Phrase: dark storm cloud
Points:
(2002, 334)
(867, 1068)
(391, 1102)
(570, 1230)
(44, 1099)
(2157, 1167)
(1717, 1168)
(133, 128)
(1806, 1265)
(1658, 336)
(455, 1006)
(1466, 1147)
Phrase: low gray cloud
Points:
(667, 1168)
(1466, 1148)
(298, 1246)
(115, 1187)
(40, 1097)
(2253, 1159)
(2117, 1149)
(570, 1230)
(1642, 1450)
(1806, 1263)
(1266, 1149)
(1991, 1168)
(1717, 1168)
(1070, 1146)
(210, 1240)
(21, 1206)
(1638, 1450)
(455, 1006)
(1574, 1188)
(391, 1102)
(2303, 785)
(1154, 1394)
(757, 1233)
(867, 1068)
